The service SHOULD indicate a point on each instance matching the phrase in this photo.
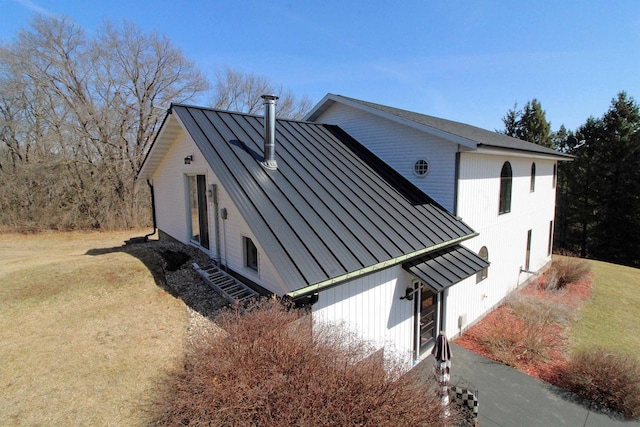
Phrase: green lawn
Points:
(612, 317)
(83, 337)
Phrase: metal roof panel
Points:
(446, 267)
(330, 209)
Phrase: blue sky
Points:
(467, 61)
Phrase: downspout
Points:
(153, 211)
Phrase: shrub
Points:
(564, 271)
(270, 366)
(527, 329)
(606, 378)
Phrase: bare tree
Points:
(237, 91)
(86, 109)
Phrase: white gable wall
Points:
(170, 187)
(505, 235)
(400, 147)
(169, 181)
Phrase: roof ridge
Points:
(221, 110)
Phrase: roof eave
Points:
(320, 107)
(334, 281)
(144, 172)
(519, 152)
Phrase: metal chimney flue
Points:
(270, 131)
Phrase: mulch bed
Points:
(571, 297)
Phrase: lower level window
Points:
(250, 254)
(484, 273)
(528, 253)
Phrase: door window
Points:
(199, 219)
(426, 309)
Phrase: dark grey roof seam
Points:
(268, 201)
(358, 170)
(433, 207)
(294, 190)
(323, 211)
(348, 203)
(348, 182)
(239, 200)
(336, 217)
(314, 247)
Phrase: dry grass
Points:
(83, 337)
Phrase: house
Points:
(502, 187)
(316, 212)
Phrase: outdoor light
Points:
(408, 294)
(188, 159)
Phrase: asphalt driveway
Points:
(510, 398)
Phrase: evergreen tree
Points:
(510, 121)
(533, 125)
(599, 192)
(617, 227)
(578, 187)
(529, 124)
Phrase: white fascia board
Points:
(497, 151)
(160, 146)
(320, 107)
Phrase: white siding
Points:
(400, 147)
(505, 236)
(371, 307)
(172, 214)
(169, 187)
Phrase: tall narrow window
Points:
(250, 254)
(555, 176)
(528, 255)
(550, 245)
(532, 187)
(506, 176)
(484, 273)
(198, 218)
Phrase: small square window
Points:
(250, 254)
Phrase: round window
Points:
(421, 167)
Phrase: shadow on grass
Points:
(170, 264)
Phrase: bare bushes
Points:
(268, 368)
(606, 378)
(54, 193)
(564, 271)
(526, 330)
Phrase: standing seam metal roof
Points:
(330, 209)
(446, 267)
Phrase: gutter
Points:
(372, 268)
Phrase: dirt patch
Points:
(174, 259)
